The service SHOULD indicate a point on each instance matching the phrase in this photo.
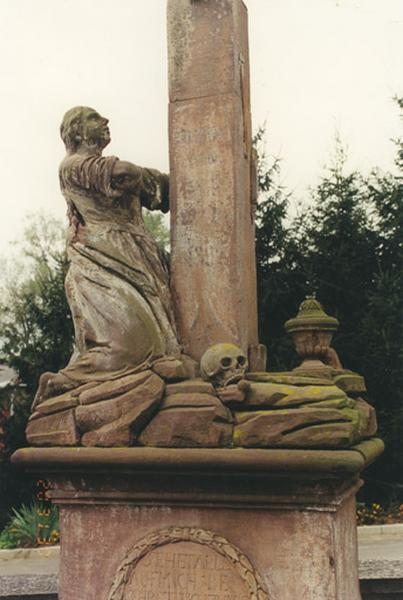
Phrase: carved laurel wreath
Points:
(172, 535)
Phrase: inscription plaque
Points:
(186, 564)
(185, 571)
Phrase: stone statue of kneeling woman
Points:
(117, 282)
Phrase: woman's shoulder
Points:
(87, 171)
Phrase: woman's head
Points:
(83, 124)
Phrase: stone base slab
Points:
(20, 564)
(153, 524)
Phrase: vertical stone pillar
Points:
(213, 271)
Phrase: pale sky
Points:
(317, 66)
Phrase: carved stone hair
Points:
(71, 129)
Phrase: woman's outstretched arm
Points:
(150, 185)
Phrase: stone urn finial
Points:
(312, 331)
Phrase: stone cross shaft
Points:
(213, 273)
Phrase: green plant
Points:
(6, 540)
(31, 526)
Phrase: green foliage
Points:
(155, 223)
(15, 486)
(7, 541)
(36, 330)
(338, 249)
(31, 526)
(347, 247)
(280, 284)
(36, 335)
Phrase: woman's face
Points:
(96, 130)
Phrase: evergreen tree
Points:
(347, 247)
(381, 327)
(280, 286)
(338, 247)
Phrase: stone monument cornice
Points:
(277, 479)
(319, 464)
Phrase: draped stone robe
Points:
(117, 282)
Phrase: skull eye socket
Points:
(241, 361)
(226, 362)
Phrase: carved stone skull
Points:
(223, 364)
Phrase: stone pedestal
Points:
(218, 524)
(213, 273)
